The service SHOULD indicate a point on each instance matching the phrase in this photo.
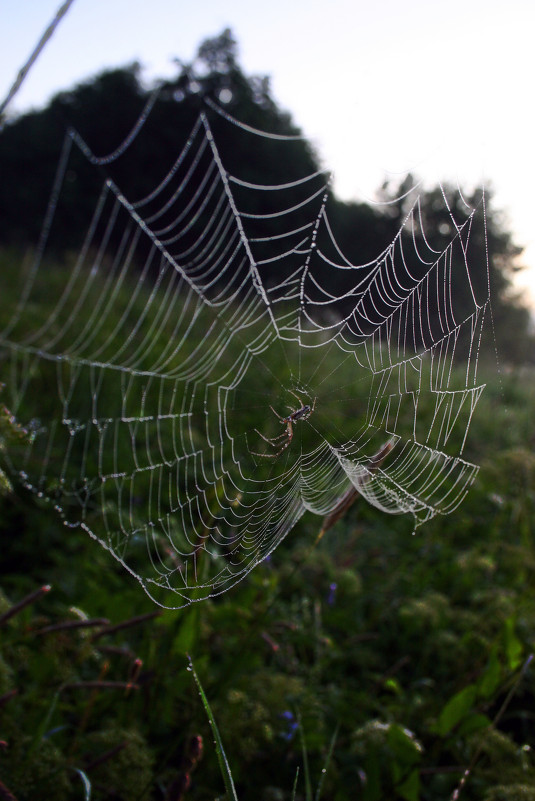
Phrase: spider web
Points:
(207, 367)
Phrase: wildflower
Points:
(289, 734)
(332, 593)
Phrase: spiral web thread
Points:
(210, 367)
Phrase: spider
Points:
(302, 413)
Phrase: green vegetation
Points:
(366, 664)
(405, 646)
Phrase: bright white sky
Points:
(442, 88)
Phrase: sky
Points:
(440, 88)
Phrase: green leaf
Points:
(393, 685)
(456, 709)
(372, 788)
(405, 748)
(490, 679)
(513, 646)
(472, 723)
(410, 788)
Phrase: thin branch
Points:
(100, 685)
(348, 498)
(26, 601)
(23, 72)
(66, 625)
(105, 756)
(117, 650)
(5, 793)
(7, 697)
(125, 624)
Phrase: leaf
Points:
(472, 723)
(491, 677)
(513, 646)
(407, 752)
(373, 770)
(410, 788)
(456, 709)
(405, 748)
(393, 685)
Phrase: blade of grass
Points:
(85, 782)
(294, 791)
(222, 757)
(308, 786)
(44, 725)
(326, 764)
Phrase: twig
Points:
(29, 599)
(135, 670)
(182, 782)
(5, 794)
(393, 669)
(133, 621)
(27, 66)
(437, 771)
(90, 703)
(116, 650)
(105, 756)
(273, 644)
(7, 697)
(73, 624)
(348, 498)
(98, 684)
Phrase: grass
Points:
(404, 647)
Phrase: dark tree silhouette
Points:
(105, 109)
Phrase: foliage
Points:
(411, 649)
(408, 646)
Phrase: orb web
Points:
(209, 365)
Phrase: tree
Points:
(106, 108)
(490, 242)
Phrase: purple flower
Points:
(289, 734)
(332, 593)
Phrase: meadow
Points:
(369, 663)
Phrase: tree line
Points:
(105, 108)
